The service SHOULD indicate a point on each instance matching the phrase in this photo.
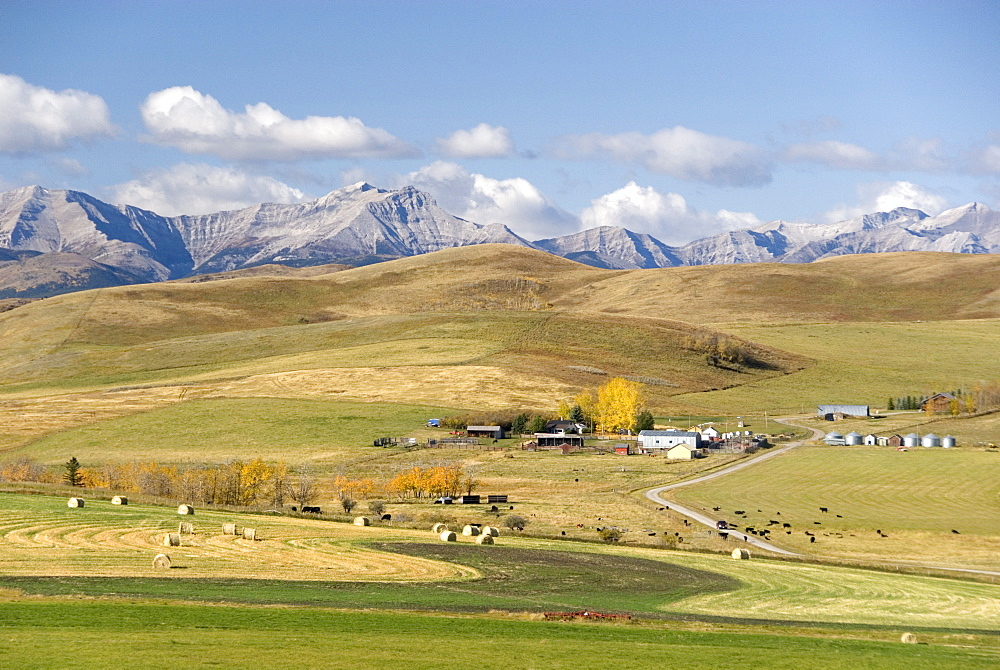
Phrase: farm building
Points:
(894, 441)
(833, 412)
(948, 442)
(871, 439)
(911, 440)
(709, 433)
(939, 403)
(684, 452)
(666, 439)
(834, 439)
(553, 440)
(930, 440)
(495, 432)
(854, 438)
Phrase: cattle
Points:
(818, 523)
(386, 517)
(955, 531)
(812, 539)
(839, 516)
(823, 509)
(772, 522)
(716, 509)
(786, 525)
(311, 510)
(739, 511)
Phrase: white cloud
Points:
(69, 166)
(201, 189)
(986, 160)
(835, 154)
(483, 141)
(39, 119)
(679, 152)
(515, 202)
(196, 123)
(665, 216)
(887, 196)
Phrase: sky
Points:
(677, 119)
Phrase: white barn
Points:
(665, 439)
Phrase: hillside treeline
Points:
(983, 397)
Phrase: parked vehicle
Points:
(722, 525)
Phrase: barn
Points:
(684, 452)
(494, 432)
(666, 439)
(939, 403)
(833, 412)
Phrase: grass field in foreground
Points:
(59, 634)
(916, 498)
(102, 551)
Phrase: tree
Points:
(72, 476)
(537, 424)
(891, 405)
(618, 403)
(376, 507)
(644, 421)
(519, 424)
(347, 502)
(304, 489)
(610, 535)
(515, 522)
(576, 414)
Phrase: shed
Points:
(834, 439)
(683, 452)
(930, 440)
(556, 440)
(495, 432)
(469, 499)
(948, 442)
(854, 438)
(894, 441)
(911, 440)
(871, 440)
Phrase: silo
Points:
(930, 440)
(948, 442)
(834, 438)
(911, 440)
(854, 438)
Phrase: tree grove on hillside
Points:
(619, 402)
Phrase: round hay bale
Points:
(171, 540)
(185, 509)
(438, 528)
(484, 539)
(471, 530)
(490, 530)
(362, 521)
(249, 533)
(449, 536)
(185, 527)
(908, 638)
(74, 502)
(229, 529)
(741, 554)
(119, 500)
(161, 561)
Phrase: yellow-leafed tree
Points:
(618, 403)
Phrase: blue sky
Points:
(679, 119)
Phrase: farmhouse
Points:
(834, 412)
(709, 433)
(495, 432)
(939, 403)
(563, 427)
(666, 439)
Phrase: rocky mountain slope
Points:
(103, 244)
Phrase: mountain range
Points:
(56, 241)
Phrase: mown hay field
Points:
(916, 498)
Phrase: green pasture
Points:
(214, 430)
(862, 363)
(917, 498)
(59, 634)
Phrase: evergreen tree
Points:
(519, 424)
(891, 405)
(72, 475)
(644, 421)
(576, 414)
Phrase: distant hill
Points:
(361, 224)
